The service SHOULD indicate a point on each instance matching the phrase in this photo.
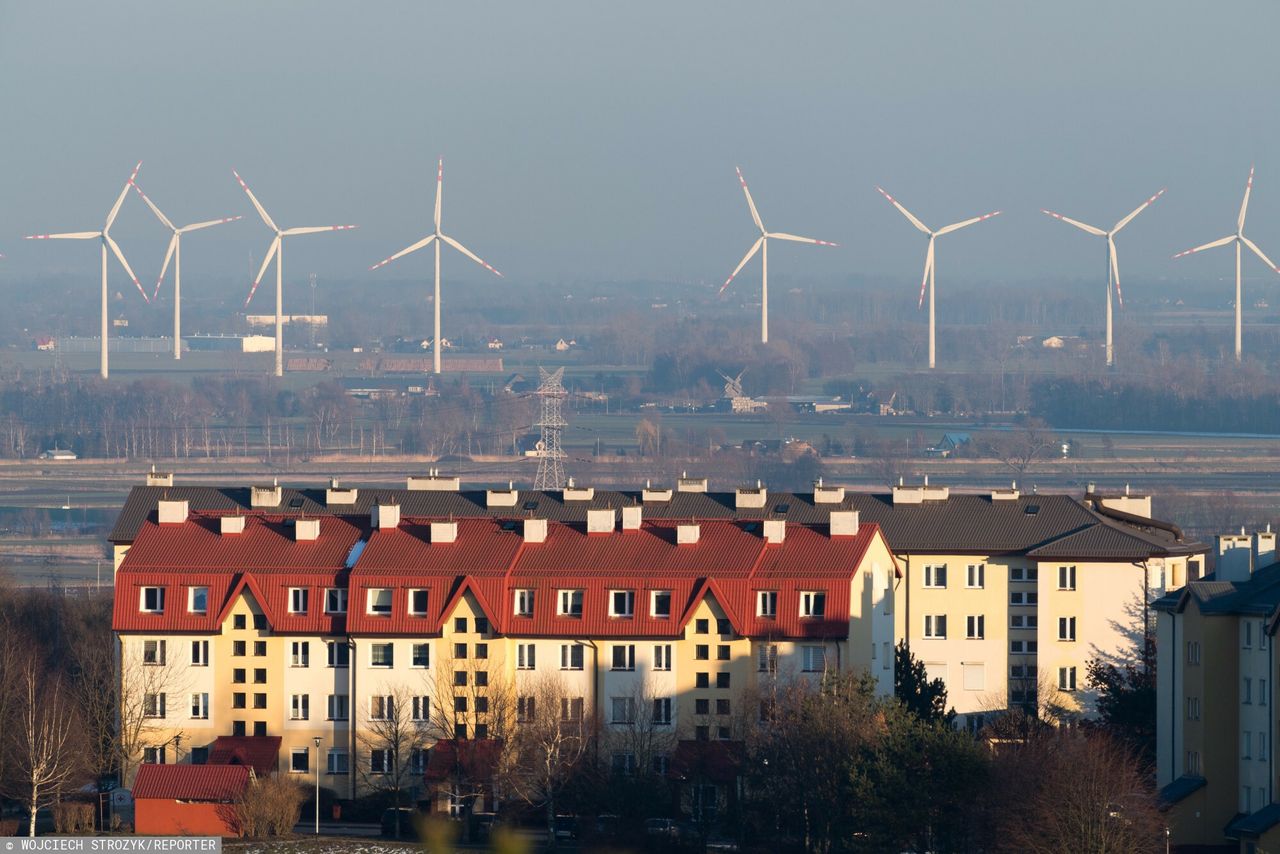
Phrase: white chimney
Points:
(775, 531)
(306, 529)
(827, 494)
(335, 494)
(691, 484)
(535, 530)
(1264, 548)
(1234, 557)
(433, 482)
(844, 523)
(171, 512)
(232, 524)
(687, 534)
(577, 493)
(444, 532)
(631, 517)
(649, 494)
(747, 498)
(600, 521)
(159, 478)
(501, 497)
(385, 516)
(265, 496)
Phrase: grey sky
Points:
(593, 140)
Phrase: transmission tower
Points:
(551, 455)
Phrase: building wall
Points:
(160, 817)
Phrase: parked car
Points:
(566, 827)
(408, 819)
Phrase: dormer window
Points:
(198, 600)
(813, 603)
(298, 600)
(335, 601)
(660, 605)
(418, 603)
(524, 603)
(622, 604)
(570, 603)
(767, 603)
(380, 601)
(151, 600)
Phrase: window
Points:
(702, 706)
(259, 675)
(624, 710)
(339, 653)
(1024, 598)
(767, 604)
(525, 708)
(237, 621)
(724, 626)
(482, 628)
(200, 707)
(459, 704)
(570, 656)
(259, 648)
(337, 707)
(814, 659)
(153, 652)
(813, 603)
(526, 656)
(624, 764)
(935, 626)
(380, 601)
(1247, 626)
(975, 627)
(722, 680)
(300, 707)
(198, 600)
(622, 603)
(1022, 573)
(482, 651)
(335, 602)
(722, 652)
(1246, 694)
(459, 678)
(299, 760)
(973, 675)
(460, 624)
(1066, 628)
(237, 727)
(1246, 745)
(482, 678)
(298, 600)
(460, 731)
(418, 760)
(301, 655)
(935, 576)
(382, 707)
(661, 765)
(1262, 634)
(381, 655)
(153, 705)
(238, 700)
(768, 656)
(421, 655)
(662, 656)
(336, 761)
(1029, 647)
(722, 707)
(702, 680)
(259, 701)
(662, 711)
(1193, 762)
(1066, 678)
(570, 604)
(701, 627)
(1262, 746)
(153, 755)
(570, 708)
(259, 621)
(460, 651)
(1024, 621)
(1262, 692)
(524, 603)
(151, 600)
(624, 656)
(660, 604)
(421, 709)
(975, 576)
(380, 761)
(1193, 708)
(701, 652)
(200, 653)
(418, 603)
(1066, 578)
(702, 733)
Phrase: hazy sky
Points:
(596, 140)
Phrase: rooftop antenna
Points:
(552, 423)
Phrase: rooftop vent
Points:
(578, 493)
(827, 494)
(844, 523)
(747, 498)
(444, 532)
(691, 484)
(903, 494)
(1010, 494)
(265, 496)
(159, 478)
(232, 525)
(687, 534)
(631, 517)
(433, 482)
(651, 494)
(535, 530)
(335, 494)
(775, 531)
(501, 497)
(1031, 509)
(306, 529)
(385, 515)
(171, 512)
(600, 521)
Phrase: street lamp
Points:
(317, 741)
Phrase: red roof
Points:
(476, 760)
(221, 783)
(259, 752)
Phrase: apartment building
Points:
(315, 629)
(1216, 697)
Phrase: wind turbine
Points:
(276, 250)
(762, 246)
(104, 237)
(174, 253)
(928, 281)
(1238, 239)
(437, 237)
(1113, 265)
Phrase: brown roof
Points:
(220, 783)
(261, 752)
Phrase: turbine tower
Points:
(1113, 265)
(1238, 239)
(104, 237)
(762, 246)
(437, 237)
(174, 253)
(276, 250)
(928, 282)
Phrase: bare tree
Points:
(45, 750)
(1019, 448)
(395, 736)
(147, 692)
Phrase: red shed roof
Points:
(219, 783)
(259, 752)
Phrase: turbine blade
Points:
(1244, 204)
(69, 235)
(1115, 269)
(917, 223)
(1139, 209)
(196, 226)
(755, 214)
(155, 210)
(271, 253)
(465, 251)
(781, 235)
(755, 247)
(1256, 251)
(115, 248)
(439, 191)
(164, 268)
(1213, 245)
(956, 226)
(1097, 232)
(928, 268)
(124, 191)
(262, 212)
(408, 250)
(293, 232)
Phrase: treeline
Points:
(1104, 404)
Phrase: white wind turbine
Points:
(104, 237)
(437, 237)
(928, 281)
(276, 250)
(1239, 239)
(174, 253)
(762, 246)
(1113, 265)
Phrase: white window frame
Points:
(192, 593)
(662, 711)
(332, 657)
(1067, 577)
(1066, 679)
(373, 605)
(391, 658)
(300, 654)
(200, 706)
(569, 652)
(935, 576)
(338, 707)
(413, 594)
(379, 761)
(199, 653)
(421, 709)
(662, 657)
(413, 655)
(569, 602)
(382, 707)
(980, 571)
(653, 604)
(628, 657)
(1066, 629)
(767, 604)
(975, 627)
(153, 706)
(767, 658)
(158, 593)
(154, 652)
(628, 603)
(335, 761)
(300, 707)
(522, 602)
(813, 658)
(526, 656)
(299, 599)
(628, 707)
(813, 604)
(335, 600)
(935, 626)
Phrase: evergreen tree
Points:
(925, 697)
